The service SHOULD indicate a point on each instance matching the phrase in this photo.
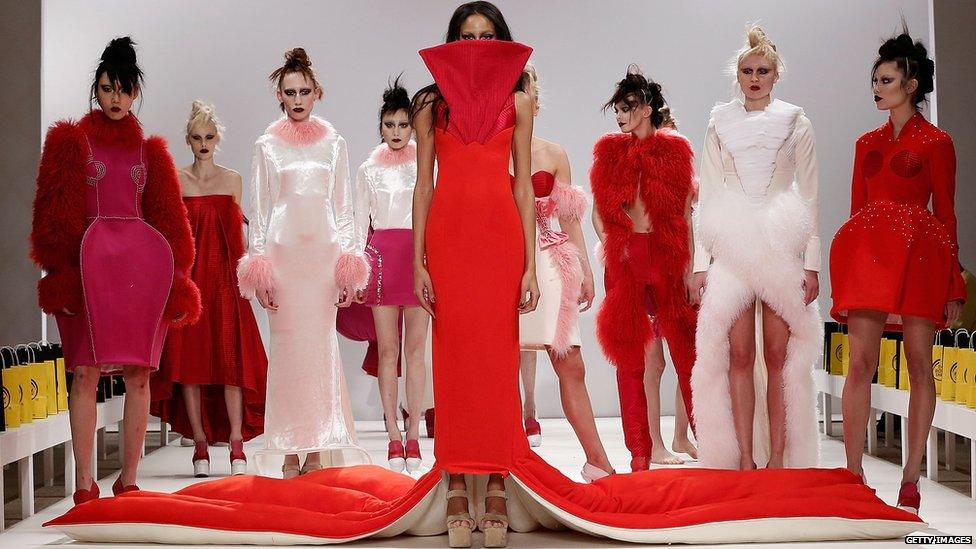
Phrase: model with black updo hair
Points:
(894, 264)
(108, 199)
(384, 208)
(646, 161)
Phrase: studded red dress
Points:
(893, 254)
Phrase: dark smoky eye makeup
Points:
(211, 136)
(306, 91)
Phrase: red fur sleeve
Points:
(59, 217)
(162, 207)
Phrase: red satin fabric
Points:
(224, 347)
(542, 183)
(893, 254)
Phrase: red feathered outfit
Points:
(644, 275)
(111, 232)
(893, 254)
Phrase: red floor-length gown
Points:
(224, 347)
(475, 258)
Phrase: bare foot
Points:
(684, 446)
(661, 456)
(775, 463)
(496, 505)
(747, 465)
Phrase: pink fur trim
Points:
(383, 155)
(570, 201)
(351, 271)
(566, 258)
(306, 132)
(254, 274)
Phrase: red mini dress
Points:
(894, 254)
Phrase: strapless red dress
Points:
(224, 347)
(475, 254)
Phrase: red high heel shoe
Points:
(238, 461)
(201, 460)
(414, 460)
(396, 456)
(118, 489)
(81, 495)
(909, 498)
(534, 431)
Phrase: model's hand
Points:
(360, 296)
(66, 311)
(178, 317)
(696, 287)
(346, 297)
(811, 286)
(266, 297)
(952, 311)
(586, 293)
(423, 288)
(528, 293)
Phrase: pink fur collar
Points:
(383, 155)
(307, 132)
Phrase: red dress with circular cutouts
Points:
(894, 254)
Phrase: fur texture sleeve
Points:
(570, 201)
(59, 217)
(163, 208)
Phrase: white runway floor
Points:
(168, 469)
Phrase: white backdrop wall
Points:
(223, 50)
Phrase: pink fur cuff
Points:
(254, 274)
(351, 271)
(570, 201)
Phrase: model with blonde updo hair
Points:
(302, 263)
(212, 383)
(566, 285)
(757, 150)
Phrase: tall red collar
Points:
(125, 133)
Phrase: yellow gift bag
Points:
(26, 403)
(62, 380)
(845, 354)
(11, 391)
(966, 368)
(888, 362)
(38, 380)
(51, 386)
(937, 351)
(971, 402)
(949, 367)
(835, 362)
(903, 381)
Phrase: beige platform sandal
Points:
(459, 526)
(495, 536)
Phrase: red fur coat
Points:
(662, 167)
(60, 212)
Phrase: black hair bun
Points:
(395, 98)
(912, 59)
(297, 58)
(120, 52)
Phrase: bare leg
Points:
(919, 334)
(191, 399)
(82, 416)
(742, 361)
(495, 505)
(776, 335)
(388, 343)
(414, 345)
(456, 506)
(234, 401)
(527, 365)
(654, 369)
(864, 328)
(680, 442)
(136, 416)
(577, 406)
